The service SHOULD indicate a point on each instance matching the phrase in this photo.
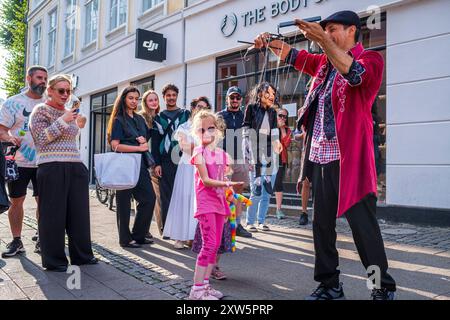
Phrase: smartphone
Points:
(76, 107)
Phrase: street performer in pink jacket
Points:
(339, 146)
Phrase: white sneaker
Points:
(201, 294)
(263, 227)
(214, 292)
(251, 228)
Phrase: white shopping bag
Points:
(117, 171)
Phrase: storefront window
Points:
(234, 70)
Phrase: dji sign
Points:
(150, 46)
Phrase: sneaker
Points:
(201, 294)
(217, 274)
(214, 292)
(303, 219)
(258, 191)
(268, 187)
(251, 228)
(280, 215)
(178, 245)
(382, 294)
(37, 247)
(324, 293)
(263, 227)
(241, 232)
(13, 248)
(35, 237)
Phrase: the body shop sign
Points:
(232, 21)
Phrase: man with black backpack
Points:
(165, 149)
(14, 119)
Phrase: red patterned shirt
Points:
(324, 151)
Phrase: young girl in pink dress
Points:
(212, 210)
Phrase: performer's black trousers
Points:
(64, 207)
(145, 196)
(362, 221)
(169, 170)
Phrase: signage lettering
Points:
(229, 22)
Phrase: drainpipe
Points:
(26, 41)
(183, 30)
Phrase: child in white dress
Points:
(180, 223)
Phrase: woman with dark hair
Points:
(128, 133)
(201, 102)
(260, 140)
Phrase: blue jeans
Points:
(260, 204)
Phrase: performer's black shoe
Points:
(382, 294)
(324, 293)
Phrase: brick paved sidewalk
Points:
(273, 265)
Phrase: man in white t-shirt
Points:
(14, 120)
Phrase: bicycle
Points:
(105, 195)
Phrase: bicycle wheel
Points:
(102, 194)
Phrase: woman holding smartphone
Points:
(63, 179)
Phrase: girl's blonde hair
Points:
(59, 78)
(219, 123)
(145, 110)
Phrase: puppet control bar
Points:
(284, 25)
(293, 23)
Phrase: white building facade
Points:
(95, 40)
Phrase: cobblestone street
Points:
(272, 265)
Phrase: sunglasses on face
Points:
(61, 91)
(282, 116)
(237, 98)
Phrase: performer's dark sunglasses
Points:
(235, 97)
(282, 116)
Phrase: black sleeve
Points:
(274, 120)
(156, 139)
(117, 132)
(292, 56)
